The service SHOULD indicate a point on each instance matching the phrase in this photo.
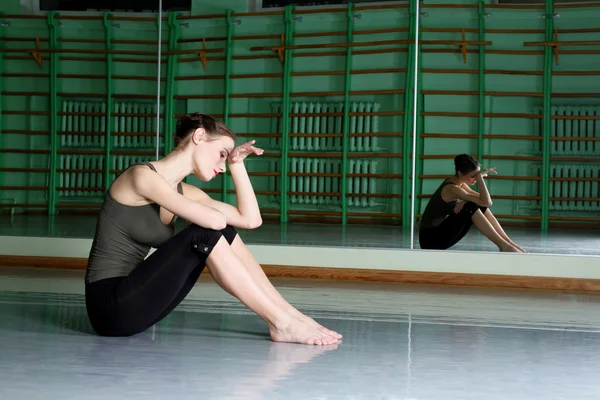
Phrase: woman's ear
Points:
(198, 135)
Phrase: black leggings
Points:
(451, 231)
(124, 306)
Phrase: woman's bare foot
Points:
(298, 331)
(294, 312)
(518, 247)
(509, 248)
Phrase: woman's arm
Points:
(454, 192)
(247, 213)
(469, 190)
(152, 186)
(484, 194)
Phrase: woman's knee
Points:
(472, 207)
(229, 233)
(202, 240)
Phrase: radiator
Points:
(578, 130)
(316, 124)
(74, 182)
(79, 184)
(328, 184)
(570, 189)
(89, 123)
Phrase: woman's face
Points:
(210, 156)
(470, 178)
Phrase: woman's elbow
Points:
(254, 223)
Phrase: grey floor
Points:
(400, 342)
(556, 241)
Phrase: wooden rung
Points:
(137, 96)
(140, 19)
(24, 170)
(81, 189)
(259, 135)
(581, 5)
(469, 114)
(496, 177)
(12, 75)
(138, 60)
(149, 42)
(476, 71)
(63, 40)
(447, 5)
(137, 78)
(78, 205)
(24, 132)
(80, 17)
(23, 205)
(376, 215)
(92, 95)
(24, 16)
(62, 170)
(575, 73)
(487, 157)
(576, 95)
(80, 76)
(515, 6)
(24, 188)
(332, 45)
(496, 197)
(456, 42)
(565, 43)
(99, 51)
(82, 114)
(5, 93)
(573, 139)
(474, 136)
(576, 117)
(80, 133)
(134, 134)
(90, 59)
(136, 115)
(350, 155)
(14, 112)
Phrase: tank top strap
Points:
(148, 165)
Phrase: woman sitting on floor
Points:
(454, 207)
(127, 292)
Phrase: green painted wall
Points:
(254, 102)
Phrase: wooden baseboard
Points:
(363, 275)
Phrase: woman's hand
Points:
(241, 152)
(458, 207)
(484, 172)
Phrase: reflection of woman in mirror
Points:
(454, 207)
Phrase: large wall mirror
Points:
(361, 109)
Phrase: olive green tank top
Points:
(124, 236)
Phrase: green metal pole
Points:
(347, 85)
(109, 102)
(1, 89)
(52, 25)
(546, 117)
(481, 82)
(408, 100)
(227, 94)
(174, 35)
(285, 110)
(420, 147)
